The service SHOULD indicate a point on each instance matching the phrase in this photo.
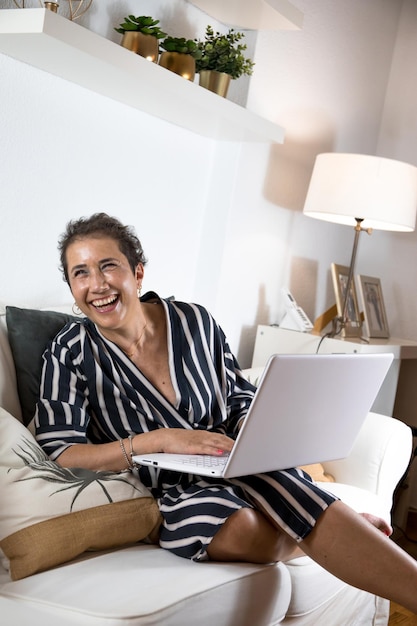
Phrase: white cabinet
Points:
(53, 43)
(274, 340)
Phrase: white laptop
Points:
(308, 408)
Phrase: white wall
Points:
(220, 222)
(326, 85)
(398, 140)
(67, 152)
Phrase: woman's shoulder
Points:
(72, 332)
(193, 308)
(187, 308)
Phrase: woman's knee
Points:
(248, 536)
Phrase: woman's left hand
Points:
(181, 441)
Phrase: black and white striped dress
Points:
(91, 391)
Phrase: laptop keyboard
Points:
(203, 460)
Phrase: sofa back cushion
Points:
(29, 332)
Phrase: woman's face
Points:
(102, 282)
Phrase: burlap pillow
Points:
(317, 473)
(49, 515)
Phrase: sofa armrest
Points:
(379, 458)
(9, 398)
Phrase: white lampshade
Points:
(381, 192)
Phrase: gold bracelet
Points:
(132, 452)
(129, 465)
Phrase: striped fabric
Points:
(91, 391)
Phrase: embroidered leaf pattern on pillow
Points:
(70, 478)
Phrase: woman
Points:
(148, 375)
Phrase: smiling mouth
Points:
(105, 302)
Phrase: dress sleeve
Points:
(240, 391)
(61, 417)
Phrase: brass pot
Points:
(180, 63)
(52, 6)
(146, 46)
(215, 81)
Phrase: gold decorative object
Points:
(76, 8)
(52, 6)
(179, 63)
(215, 81)
(146, 46)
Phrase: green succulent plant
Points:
(180, 44)
(223, 53)
(142, 24)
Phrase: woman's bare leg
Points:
(350, 547)
(353, 547)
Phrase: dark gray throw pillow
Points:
(30, 331)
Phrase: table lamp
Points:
(365, 192)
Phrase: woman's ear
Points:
(139, 274)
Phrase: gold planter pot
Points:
(182, 64)
(52, 6)
(146, 46)
(215, 81)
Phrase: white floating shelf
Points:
(56, 45)
(253, 14)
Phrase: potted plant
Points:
(141, 35)
(221, 59)
(179, 55)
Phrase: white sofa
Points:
(141, 584)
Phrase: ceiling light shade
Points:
(380, 192)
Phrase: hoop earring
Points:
(76, 309)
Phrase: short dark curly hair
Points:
(101, 225)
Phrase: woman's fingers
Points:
(179, 441)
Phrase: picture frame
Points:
(353, 326)
(376, 324)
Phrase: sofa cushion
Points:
(360, 500)
(50, 515)
(319, 598)
(30, 331)
(147, 585)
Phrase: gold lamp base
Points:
(330, 315)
